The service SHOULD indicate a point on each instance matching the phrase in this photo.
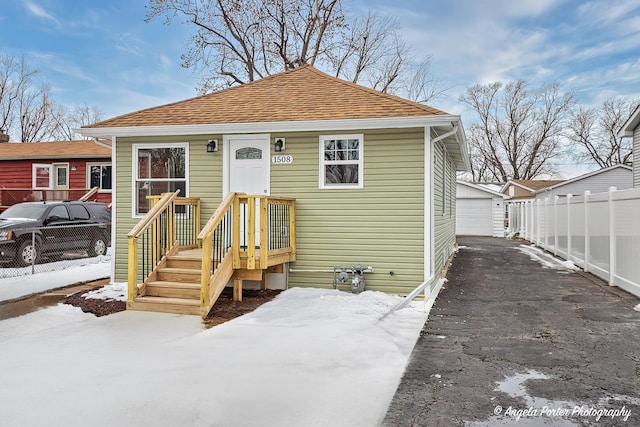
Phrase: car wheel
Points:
(97, 247)
(27, 253)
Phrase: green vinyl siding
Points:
(205, 182)
(380, 225)
(444, 206)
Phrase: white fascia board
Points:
(524, 187)
(265, 127)
(464, 149)
(485, 189)
(631, 124)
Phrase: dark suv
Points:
(56, 228)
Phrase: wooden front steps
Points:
(175, 288)
(176, 285)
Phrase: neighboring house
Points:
(632, 129)
(373, 175)
(480, 211)
(54, 170)
(522, 189)
(619, 176)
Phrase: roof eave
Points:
(286, 126)
(524, 187)
(480, 188)
(583, 176)
(631, 124)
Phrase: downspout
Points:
(445, 135)
(429, 234)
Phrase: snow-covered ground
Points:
(546, 259)
(310, 357)
(55, 275)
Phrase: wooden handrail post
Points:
(205, 274)
(264, 231)
(251, 233)
(235, 237)
(292, 230)
(196, 224)
(132, 278)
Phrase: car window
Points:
(79, 212)
(59, 211)
(24, 211)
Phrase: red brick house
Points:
(62, 170)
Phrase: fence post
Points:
(587, 239)
(524, 220)
(555, 225)
(546, 234)
(612, 239)
(529, 222)
(538, 222)
(520, 220)
(34, 253)
(569, 196)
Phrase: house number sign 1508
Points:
(282, 159)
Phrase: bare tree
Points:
(15, 80)
(36, 114)
(595, 130)
(422, 86)
(518, 130)
(238, 41)
(370, 52)
(67, 121)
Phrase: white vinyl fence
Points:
(598, 232)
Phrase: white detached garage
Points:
(479, 210)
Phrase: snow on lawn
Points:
(310, 357)
(55, 275)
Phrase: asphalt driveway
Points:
(513, 341)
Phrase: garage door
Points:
(473, 217)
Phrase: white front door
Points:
(248, 160)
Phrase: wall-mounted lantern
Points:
(212, 146)
(279, 145)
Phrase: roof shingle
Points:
(53, 150)
(297, 95)
(537, 184)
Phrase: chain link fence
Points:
(52, 248)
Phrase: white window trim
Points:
(88, 167)
(36, 166)
(134, 162)
(360, 162)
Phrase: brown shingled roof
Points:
(52, 150)
(300, 94)
(537, 184)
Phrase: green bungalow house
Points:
(292, 178)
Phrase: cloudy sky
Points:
(102, 52)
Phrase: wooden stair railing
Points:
(175, 271)
(89, 195)
(156, 234)
(216, 240)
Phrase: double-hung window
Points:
(341, 161)
(158, 168)
(41, 176)
(99, 175)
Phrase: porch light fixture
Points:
(212, 146)
(279, 145)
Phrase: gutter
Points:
(102, 144)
